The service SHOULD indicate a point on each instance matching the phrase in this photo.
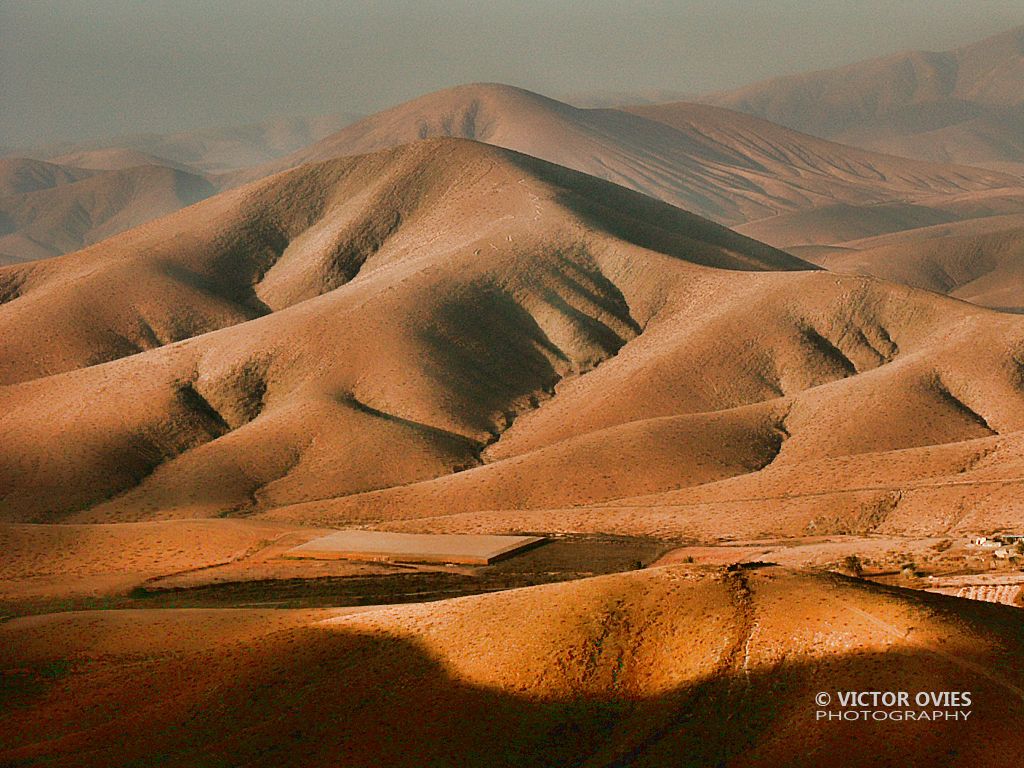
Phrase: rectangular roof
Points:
(474, 549)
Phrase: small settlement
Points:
(1005, 546)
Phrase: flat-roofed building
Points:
(466, 549)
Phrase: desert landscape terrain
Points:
(491, 430)
(961, 105)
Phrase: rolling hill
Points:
(209, 150)
(116, 159)
(713, 162)
(668, 666)
(503, 337)
(19, 176)
(960, 106)
(389, 254)
(986, 269)
(47, 209)
(146, 177)
(485, 311)
(732, 168)
(293, 237)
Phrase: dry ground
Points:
(680, 665)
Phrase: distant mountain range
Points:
(960, 106)
(208, 150)
(788, 187)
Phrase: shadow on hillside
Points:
(656, 225)
(326, 697)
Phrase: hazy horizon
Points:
(75, 71)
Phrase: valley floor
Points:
(120, 645)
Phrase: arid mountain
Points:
(993, 139)
(116, 159)
(837, 225)
(47, 209)
(980, 260)
(390, 255)
(19, 175)
(148, 176)
(961, 106)
(986, 269)
(453, 329)
(322, 223)
(776, 403)
(669, 666)
(213, 150)
(617, 99)
(729, 167)
(840, 223)
(750, 400)
(713, 162)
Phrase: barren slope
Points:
(451, 328)
(302, 234)
(985, 269)
(19, 175)
(145, 177)
(424, 297)
(710, 161)
(57, 561)
(838, 367)
(670, 666)
(729, 167)
(835, 224)
(963, 106)
(449, 304)
(849, 219)
(48, 210)
(843, 225)
(116, 159)
(210, 150)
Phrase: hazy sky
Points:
(96, 67)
